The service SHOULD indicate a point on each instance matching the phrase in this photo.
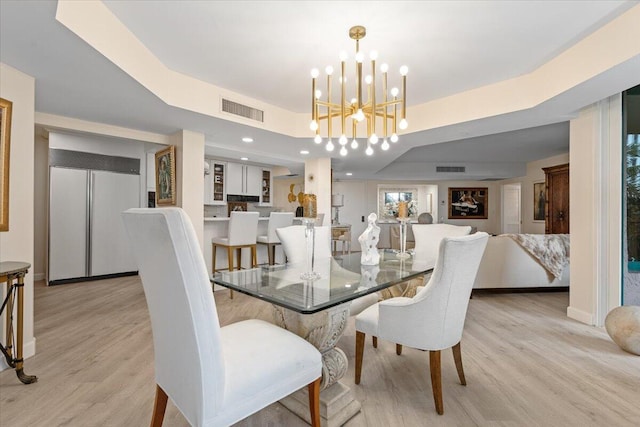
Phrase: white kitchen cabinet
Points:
(266, 196)
(244, 180)
(214, 183)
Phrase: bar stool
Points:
(243, 230)
(276, 220)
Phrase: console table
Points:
(341, 233)
(12, 273)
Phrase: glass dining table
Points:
(317, 310)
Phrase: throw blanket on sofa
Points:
(551, 250)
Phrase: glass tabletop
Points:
(342, 279)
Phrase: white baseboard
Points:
(28, 350)
(580, 316)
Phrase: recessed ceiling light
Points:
(304, 152)
(244, 158)
(247, 139)
(349, 174)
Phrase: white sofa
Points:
(506, 264)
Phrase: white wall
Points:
(17, 244)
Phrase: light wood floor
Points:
(526, 365)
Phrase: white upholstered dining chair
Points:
(214, 375)
(294, 243)
(429, 236)
(432, 320)
(276, 220)
(294, 246)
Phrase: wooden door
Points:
(557, 209)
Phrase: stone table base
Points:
(323, 330)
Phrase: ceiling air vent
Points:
(458, 169)
(242, 110)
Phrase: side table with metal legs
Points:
(12, 273)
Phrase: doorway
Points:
(511, 208)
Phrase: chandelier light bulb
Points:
(359, 57)
(354, 144)
(329, 70)
(343, 151)
(343, 139)
(359, 116)
(373, 55)
(369, 151)
(403, 124)
(384, 68)
(343, 56)
(385, 145)
(368, 79)
(329, 146)
(315, 73)
(395, 92)
(353, 100)
(373, 138)
(394, 137)
(404, 70)
(318, 93)
(313, 125)
(317, 139)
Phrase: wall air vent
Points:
(449, 169)
(242, 110)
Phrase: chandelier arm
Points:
(384, 99)
(373, 92)
(395, 115)
(343, 84)
(313, 100)
(329, 127)
(404, 97)
(358, 78)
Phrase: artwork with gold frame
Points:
(468, 203)
(539, 201)
(5, 140)
(166, 176)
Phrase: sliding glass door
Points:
(631, 207)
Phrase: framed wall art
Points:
(166, 176)
(539, 200)
(5, 140)
(468, 203)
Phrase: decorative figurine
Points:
(369, 242)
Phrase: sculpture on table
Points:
(369, 242)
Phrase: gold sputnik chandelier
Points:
(381, 118)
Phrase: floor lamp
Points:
(337, 201)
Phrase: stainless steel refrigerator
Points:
(87, 193)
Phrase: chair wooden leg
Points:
(254, 256)
(314, 402)
(159, 407)
(436, 380)
(213, 258)
(360, 337)
(457, 357)
(230, 258)
(398, 349)
(374, 342)
(271, 253)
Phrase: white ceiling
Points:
(265, 49)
